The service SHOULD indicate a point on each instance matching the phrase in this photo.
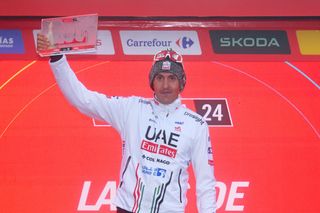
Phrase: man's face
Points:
(166, 87)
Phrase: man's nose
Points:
(165, 83)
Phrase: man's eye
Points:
(159, 77)
(173, 77)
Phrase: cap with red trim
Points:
(168, 61)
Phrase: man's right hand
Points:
(43, 42)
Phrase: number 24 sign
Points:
(215, 111)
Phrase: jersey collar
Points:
(166, 108)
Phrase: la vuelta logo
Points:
(158, 141)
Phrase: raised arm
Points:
(91, 103)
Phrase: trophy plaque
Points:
(70, 35)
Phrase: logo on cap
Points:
(166, 65)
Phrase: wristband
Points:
(55, 58)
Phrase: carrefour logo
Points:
(147, 42)
(185, 42)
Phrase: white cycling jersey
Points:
(159, 143)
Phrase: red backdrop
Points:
(53, 159)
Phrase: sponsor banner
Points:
(104, 43)
(249, 41)
(309, 41)
(148, 42)
(11, 42)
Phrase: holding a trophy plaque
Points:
(69, 35)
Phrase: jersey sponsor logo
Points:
(148, 42)
(160, 149)
(167, 151)
(195, 117)
(250, 41)
(148, 158)
(210, 150)
(144, 101)
(149, 146)
(11, 42)
(152, 120)
(163, 161)
(158, 160)
(210, 162)
(160, 141)
(158, 172)
(161, 136)
(210, 156)
(179, 122)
